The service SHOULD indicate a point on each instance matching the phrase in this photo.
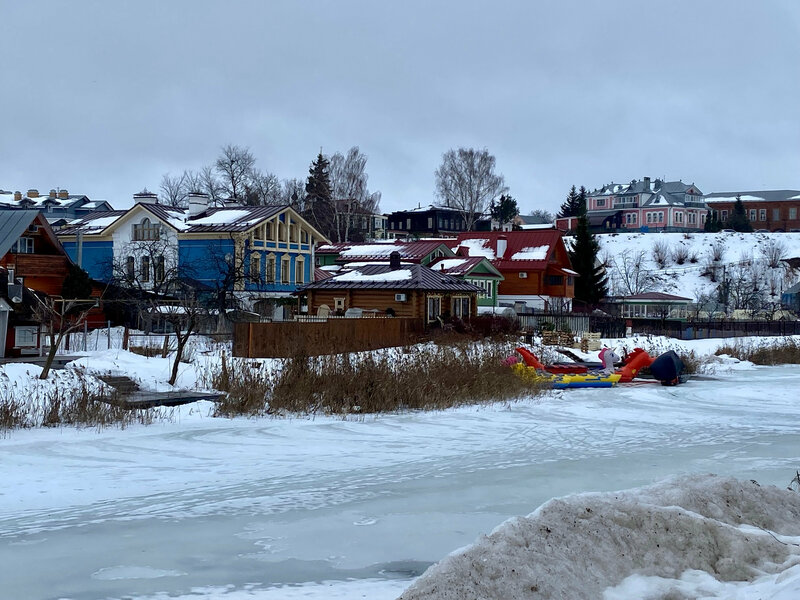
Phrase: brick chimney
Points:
(646, 184)
(63, 194)
(394, 260)
(17, 196)
(33, 193)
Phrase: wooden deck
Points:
(128, 395)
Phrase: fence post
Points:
(108, 324)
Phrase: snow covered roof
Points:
(754, 196)
(382, 276)
(464, 265)
(526, 249)
(94, 223)
(411, 251)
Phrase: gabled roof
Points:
(527, 249)
(754, 196)
(410, 251)
(94, 223)
(652, 297)
(14, 222)
(460, 266)
(381, 276)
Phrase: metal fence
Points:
(606, 325)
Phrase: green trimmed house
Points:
(476, 270)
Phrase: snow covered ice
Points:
(203, 507)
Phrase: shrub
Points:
(661, 253)
(680, 254)
(778, 352)
(431, 376)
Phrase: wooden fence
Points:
(283, 339)
(607, 325)
(727, 328)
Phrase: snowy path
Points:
(232, 508)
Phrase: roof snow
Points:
(370, 249)
(221, 217)
(449, 263)
(478, 247)
(531, 253)
(396, 275)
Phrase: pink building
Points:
(642, 205)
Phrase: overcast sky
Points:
(103, 98)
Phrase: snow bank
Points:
(677, 539)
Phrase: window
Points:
(130, 268)
(762, 214)
(776, 214)
(792, 213)
(255, 267)
(144, 269)
(146, 231)
(270, 231)
(430, 222)
(601, 202)
(285, 266)
(434, 307)
(408, 223)
(555, 280)
(460, 307)
(159, 271)
(303, 237)
(484, 284)
(724, 215)
(752, 214)
(338, 303)
(299, 274)
(679, 217)
(269, 275)
(23, 245)
(649, 217)
(25, 336)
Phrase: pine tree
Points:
(738, 220)
(574, 205)
(709, 224)
(504, 209)
(591, 285)
(319, 210)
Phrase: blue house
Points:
(270, 248)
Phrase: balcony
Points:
(38, 265)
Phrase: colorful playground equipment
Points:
(666, 368)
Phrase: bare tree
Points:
(293, 193)
(235, 168)
(173, 190)
(192, 182)
(62, 317)
(629, 275)
(262, 189)
(154, 282)
(352, 201)
(466, 180)
(211, 185)
(544, 215)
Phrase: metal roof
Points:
(516, 241)
(422, 278)
(13, 223)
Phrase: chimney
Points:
(52, 195)
(502, 244)
(17, 196)
(198, 204)
(462, 251)
(63, 194)
(33, 193)
(145, 197)
(394, 260)
(646, 184)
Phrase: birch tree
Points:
(466, 180)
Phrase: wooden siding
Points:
(414, 307)
(295, 338)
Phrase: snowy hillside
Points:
(692, 264)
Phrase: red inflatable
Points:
(634, 362)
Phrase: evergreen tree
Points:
(709, 224)
(504, 209)
(319, 209)
(738, 220)
(77, 284)
(592, 283)
(573, 206)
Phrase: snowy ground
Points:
(687, 279)
(201, 508)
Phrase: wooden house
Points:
(537, 272)
(393, 288)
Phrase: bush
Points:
(432, 376)
(778, 352)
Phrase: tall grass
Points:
(78, 404)
(432, 376)
(777, 352)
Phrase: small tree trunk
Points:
(51, 355)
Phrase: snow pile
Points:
(689, 535)
(531, 253)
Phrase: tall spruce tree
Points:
(319, 209)
(738, 220)
(574, 205)
(591, 285)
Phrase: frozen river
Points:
(237, 508)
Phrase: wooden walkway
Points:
(128, 395)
